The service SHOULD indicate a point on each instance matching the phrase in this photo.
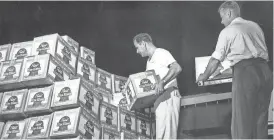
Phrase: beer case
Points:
(10, 74)
(13, 103)
(74, 122)
(65, 94)
(109, 115)
(87, 55)
(103, 80)
(4, 52)
(21, 50)
(143, 124)
(43, 70)
(119, 99)
(67, 55)
(46, 44)
(127, 121)
(118, 83)
(39, 100)
(140, 91)
(86, 70)
(72, 43)
(14, 129)
(223, 74)
(105, 95)
(38, 127)
(110, 134)
(89, 99)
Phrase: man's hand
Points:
(159, 87)
(202, 78)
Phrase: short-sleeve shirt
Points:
(241, 39)
(160, 62)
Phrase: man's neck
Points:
(151, 51)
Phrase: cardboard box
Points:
(143, 124)
(10, 74)
(223, 74)
(4, 52)
(106, 96)
(103, 80)
(38, 127)
(118, 83)
(109, 115)
(14, 129)
(20, 50)
(74, 122)
(87, 71)
(87, 55)
(43, 70)
(119, 99)
(65, 94)
(140, 91)
(13, 103)
(127, 121)
(89, 99)
(39, 100)
(67, 55)
(110, 134)
(47, 44)
(72, 43)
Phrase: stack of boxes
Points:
(51, 88)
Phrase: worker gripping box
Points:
(13, 103)
(38, 101)
(21, 50)
(87, 55)
(10, 74)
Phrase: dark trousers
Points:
(251, 92)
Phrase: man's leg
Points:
(172, 119)
(160, 116)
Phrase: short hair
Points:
(142, 37)
(231, 5)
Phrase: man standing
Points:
(242, 42)
(164, 65)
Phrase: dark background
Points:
(187, 29)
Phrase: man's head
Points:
(141, 43)
(229, 10)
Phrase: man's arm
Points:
(173, 72)
(210, 69)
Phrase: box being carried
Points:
(38, 127)
(21, 50)
(13, 103)
(14, 129)
(43, 70)
(140, 89)
(72, 43)
(10, 74)
(4, 52)
(74, 122)
(86, 70)
(87, 55)
(109, 115)
(38, 100)
(223, 74)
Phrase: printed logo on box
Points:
(119, 85)
(89, 127)
(146, 85)
(108, 115)
(143, 127)
(21, 53)
(37, 99)
(86, 71)
(89, 100)
(128, 122)
(63, 123)
(66, 55)
(89, 58)
(34, 68)
(64, 94)
(12, 102)
(59, 74)
(43, 47)
(10, 71)
(37, 127)
(13, 130)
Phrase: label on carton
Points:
(13, 130)
(38, 127)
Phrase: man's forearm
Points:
(172, 74)
(211, 67)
